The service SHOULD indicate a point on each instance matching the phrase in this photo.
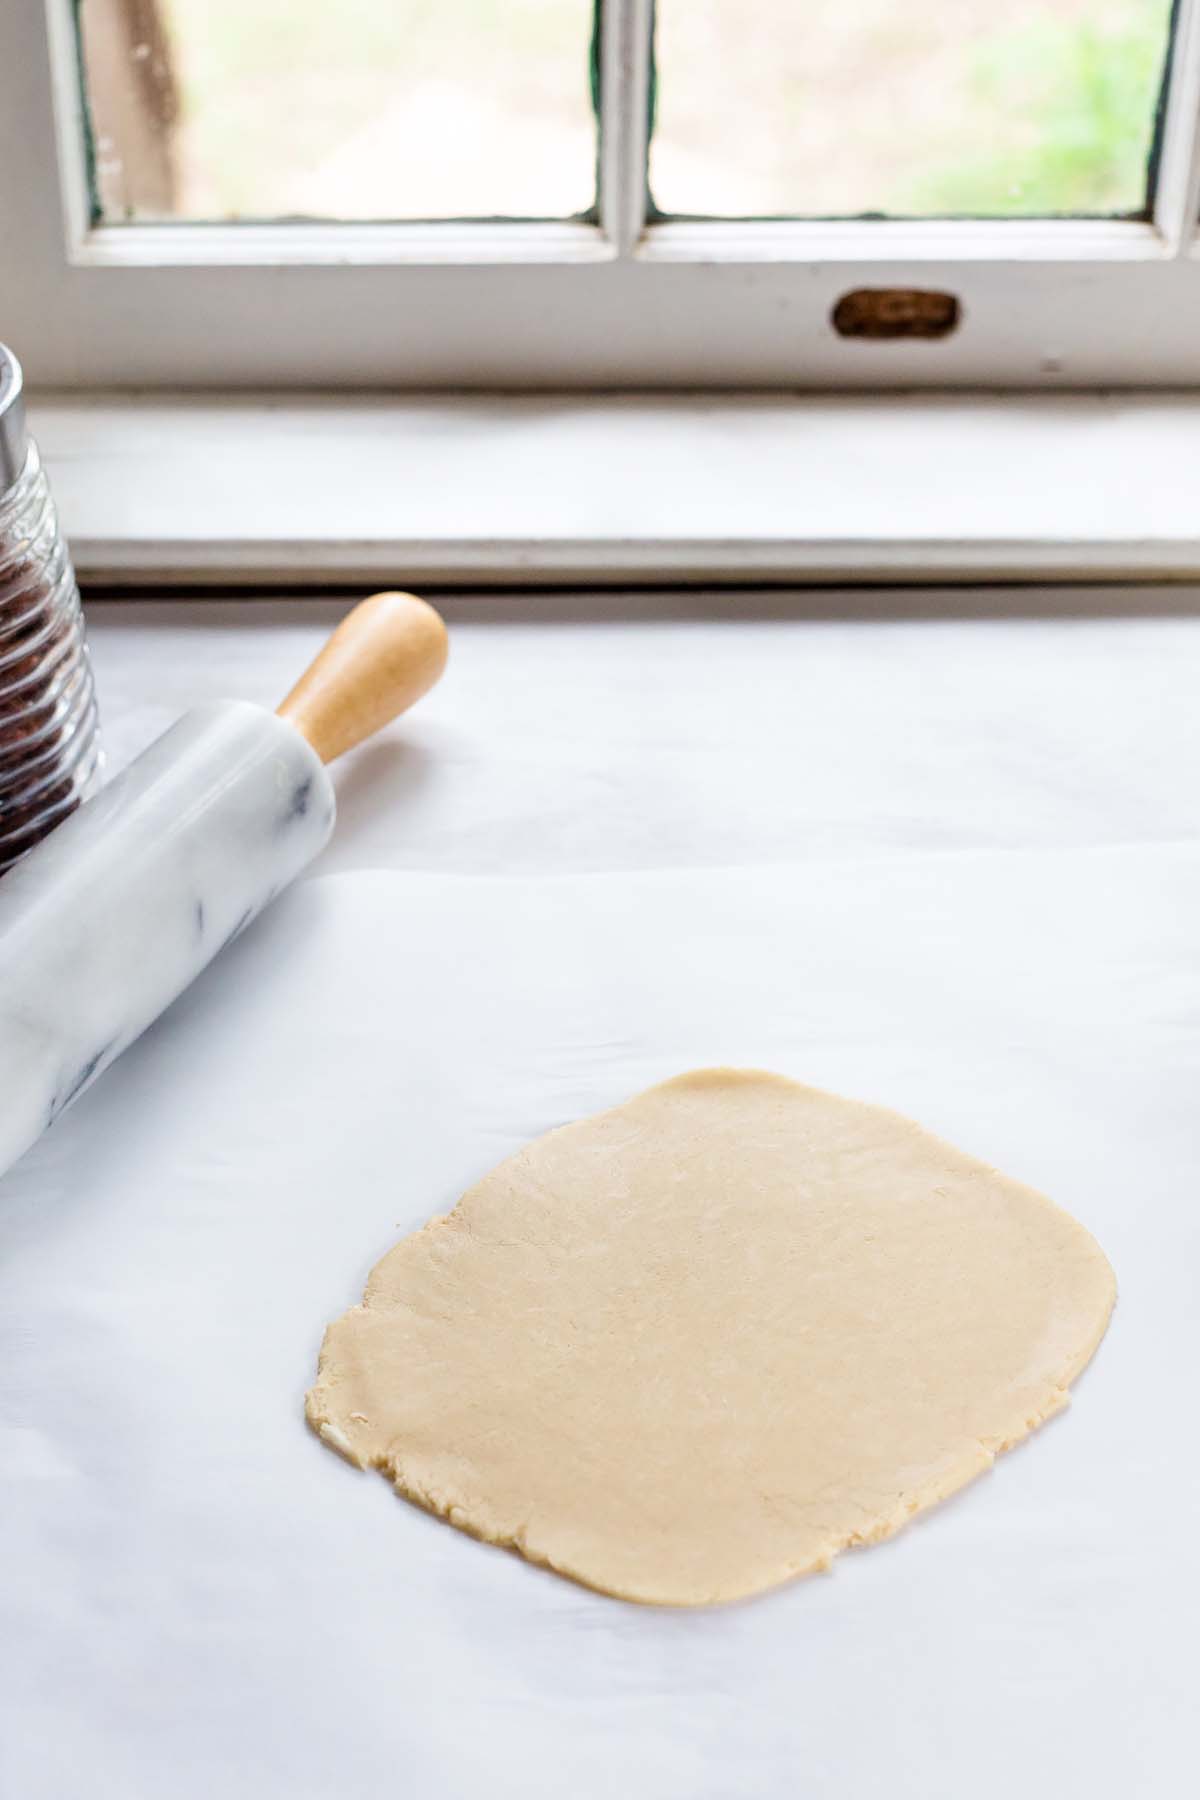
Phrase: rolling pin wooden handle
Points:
(384, 655)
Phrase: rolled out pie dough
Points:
(696, 1345)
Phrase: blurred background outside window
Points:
(424, 109)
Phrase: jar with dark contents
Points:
(49, 744)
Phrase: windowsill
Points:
(469, 490)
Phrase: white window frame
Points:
(625, 302)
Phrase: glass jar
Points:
(49, 744)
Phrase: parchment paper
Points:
(198, 1599)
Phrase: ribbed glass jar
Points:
(49, 745)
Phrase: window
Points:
(992, 108)
(367, 109)
(429, 193)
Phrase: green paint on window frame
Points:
(88, 132)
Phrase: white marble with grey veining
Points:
(111, 917)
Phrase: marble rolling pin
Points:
(113, 914)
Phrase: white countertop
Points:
(648, 733)
(948, 864)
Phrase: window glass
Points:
(995, 108)
(339, 109)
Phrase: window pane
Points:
(340, 109)
(997, 108)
